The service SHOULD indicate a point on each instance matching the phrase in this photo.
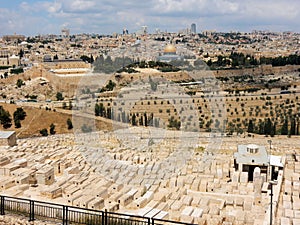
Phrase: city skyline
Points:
(32, 17)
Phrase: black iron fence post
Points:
(105, 217)
(149, 221)
(2, 205)
(65, 215)
(31, 210)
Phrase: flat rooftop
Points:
(6, 134)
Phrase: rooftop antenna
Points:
(65, 32)
(144, 30)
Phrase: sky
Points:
(33, 17)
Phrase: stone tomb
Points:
(45, 175)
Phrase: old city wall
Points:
(67, 84)
(70, 84)
(264, 69)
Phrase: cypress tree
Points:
(284, 128)
(146, 120)
(293, 127)
(5, 118)
(268, 127)
(133, 120)
(52, 129)
(141, 121)
(261, 127)
(273, 130)
(97, 112)
(250, 127)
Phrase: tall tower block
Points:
(193, 28)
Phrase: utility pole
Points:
(271, 208)
(269, 157)
(270, 142)
(271, 204)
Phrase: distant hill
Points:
(38, 119)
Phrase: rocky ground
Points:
(167, 171)
(19, 220)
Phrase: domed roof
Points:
(14, 57)
(253, 146)
(170, 49)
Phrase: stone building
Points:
(8, 138)
(67, 67)
(4, 57)
(14, 60)
(45, 175)
(250, 156)
(8, 59)
(14, 38)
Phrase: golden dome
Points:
(170, 49)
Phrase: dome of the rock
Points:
(170, 49)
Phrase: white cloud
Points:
(25, 6)
(40, 6)
(226, 7)
(195, 7)
(53, 8)
(107, 16)
(78, 5)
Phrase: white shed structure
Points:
(8, 138)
